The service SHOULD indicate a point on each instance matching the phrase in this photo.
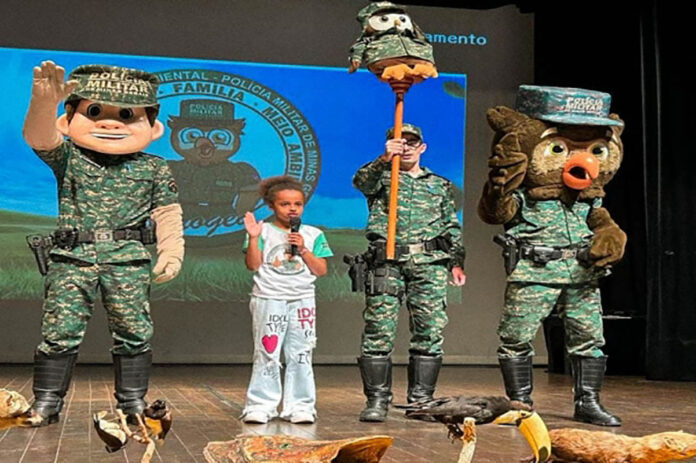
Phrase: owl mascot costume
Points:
(551, 158)
(391, 45)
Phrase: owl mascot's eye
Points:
(556, 148)
(381, 22)
(600, 151)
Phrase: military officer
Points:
(428, 249)
(107, 190)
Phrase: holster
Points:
(41, 246)
(378, 282)
(356, 271)
(511, 252)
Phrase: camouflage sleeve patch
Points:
(367, 178)
(57, 158)
(165, 190)
(357, 50)
(452, 227)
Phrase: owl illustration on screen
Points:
(391, 45)
(206, 134)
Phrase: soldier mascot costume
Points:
(428, 249)
(108, 190)
(551, 159)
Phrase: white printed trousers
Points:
(290, 327)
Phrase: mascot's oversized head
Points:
(558, 143)
(112, 110)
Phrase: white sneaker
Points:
(255, 418)
(302, 418)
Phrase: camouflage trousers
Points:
(425, 290)
(71, 291)
(528, 304)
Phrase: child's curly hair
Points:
(270, 186)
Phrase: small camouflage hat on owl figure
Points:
(114, 85)
(391, 45)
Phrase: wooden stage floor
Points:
(207, 400)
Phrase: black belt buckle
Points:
(543, 254)
(65, 238)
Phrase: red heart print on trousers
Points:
(270, 343)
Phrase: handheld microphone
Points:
(295, 223)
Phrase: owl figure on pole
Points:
(391, 45)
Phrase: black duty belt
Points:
(543, 254)
(71, 238)
(402, 250)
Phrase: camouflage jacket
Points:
(389, 44)
(552, 223)
(425, 210)
(100, 191)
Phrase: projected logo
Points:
(230, 132)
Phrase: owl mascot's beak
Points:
(580, 170)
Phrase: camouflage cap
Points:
(575, 106)
(375, 7)
(206, 110)
(114, 85)
(406, 128)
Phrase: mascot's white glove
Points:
(47, 90)
(170, 241)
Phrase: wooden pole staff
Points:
(399, 87)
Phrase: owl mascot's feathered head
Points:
(558, 144)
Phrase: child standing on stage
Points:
(286, 258)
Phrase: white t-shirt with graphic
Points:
(282, 276)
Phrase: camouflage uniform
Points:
(425, 210)
(99, 191)
(533, 290)
(389, 44)
(103, 202)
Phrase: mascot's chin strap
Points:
(170, 241)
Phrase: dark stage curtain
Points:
(670, 161)
(640, 54)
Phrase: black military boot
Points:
(377, 378)
(423, 371)
(132, 375)
(52, 374)
(517, 376)
(588, 375)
